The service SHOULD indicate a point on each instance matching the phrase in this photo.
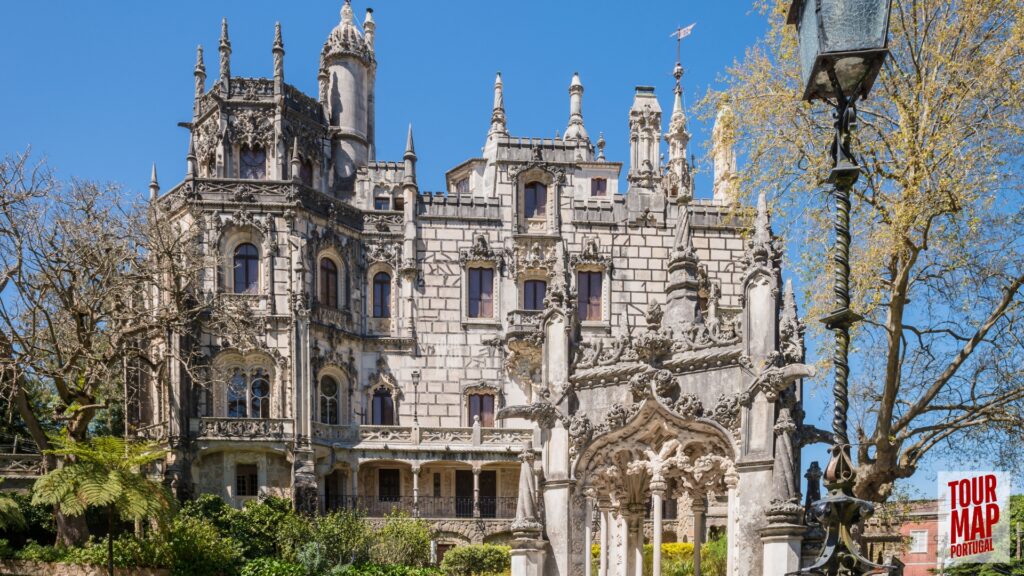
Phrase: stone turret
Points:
(498, 127)
(348, 68)
(644, 135)
(154, 186)
(199, 73)
(225, 59)
(278, 51)
(723, 140)
(679, 181)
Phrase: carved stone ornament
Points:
(384, 252)
(481, 251)
(252, 127)
(727, 411)
(544, 413)
(590, 255)
(533, 256)
(207, 137)
(774, 378)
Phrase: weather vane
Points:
(679, 34)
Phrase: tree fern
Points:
(10, 513)
(105, 472)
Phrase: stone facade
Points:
(532, 355)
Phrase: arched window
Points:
(536, 200)
(383, 409)
(533, 294)
(328, 283)
(249, 393)
(306, 173)
(260, 395)
(382, 295)
(252, 163)
(237, 395)
(329, 393)
(481, 292)
(247, 267)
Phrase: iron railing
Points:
(424, 507)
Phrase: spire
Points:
(200, 72)
(761, 248)
(576, 131)
(154, 186)
(225, 56)
(410, 159)
(681, 302)
(369, 29)
(791, 328)
(498, 126)
(680, 181)
(278, 51)
(789, 302)
(723, 139)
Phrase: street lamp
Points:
(416, 397)
(842, 48)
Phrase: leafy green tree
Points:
(10, 512)
(105, 472)
(402, 540)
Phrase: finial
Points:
(154, 186)
(600, 146)
(498, 126)
(789, 301)
(225, 57)
(762, 222)
(200, 65)
(346, 11)
(575, 130)
(296, 163)
(278, 42)
(278, 50)
(368, 28)
(410, 148)
(225, 42)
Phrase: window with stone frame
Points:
(246, 263)
(306, 173)
(598, 186)
(328, 283)
(330, 404)
(382, 295)
(535, 200)
(462, 186)
(481, 406)
(382, 203)
(918, 541)
(382, 407)
(480, 297)
(533, 294)
(248, 393)
(252, 163)
(246, 480)
(589, 290)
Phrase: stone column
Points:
(476, 491)
(699, 508)
(416, 491)
(355, 482)
(605, 507)
(658, 487)
(634, 552)
(528, 547)
(588, 536)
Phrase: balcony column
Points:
(588, 535)
(476, 491)
(355, 482)
(658, 487)
(699, 508)
(605, 507)
(416, 491)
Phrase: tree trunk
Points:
(110, 540)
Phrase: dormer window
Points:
(382, 203)
(535, 200)
(599, 187)
(252, 164)
(462, 186)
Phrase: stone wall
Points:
(29, 568)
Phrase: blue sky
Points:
(98, 88)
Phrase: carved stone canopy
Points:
(481, 251)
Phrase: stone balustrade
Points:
(259, 429)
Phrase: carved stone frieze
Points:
(252, 127)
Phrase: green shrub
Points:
(291, 535)
(40, 553)
(211, 508)
(402, 540)
(343, 538)
(476, 559)
(255, 525)
(382, 570)
(5, 549)
(197, 548)
(272, 567)
(39, 523)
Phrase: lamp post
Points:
(416, 397)
(842, 47)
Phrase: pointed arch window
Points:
(382, 295)
(328, 283)
(252, 163)
(247, 267)
(535, 200)
(329, 404)
(383, 407)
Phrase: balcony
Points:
(431, 507)
(523, 322)
(257, 429)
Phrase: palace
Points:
(532, 356)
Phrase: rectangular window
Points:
(598, 186)
(382, 203)
(533, 294)
(589, 292)
(462, 186)
(482, 406)
(918, 541)
(246, 480)
(437, 484)
(388, 485)
(481, 292)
